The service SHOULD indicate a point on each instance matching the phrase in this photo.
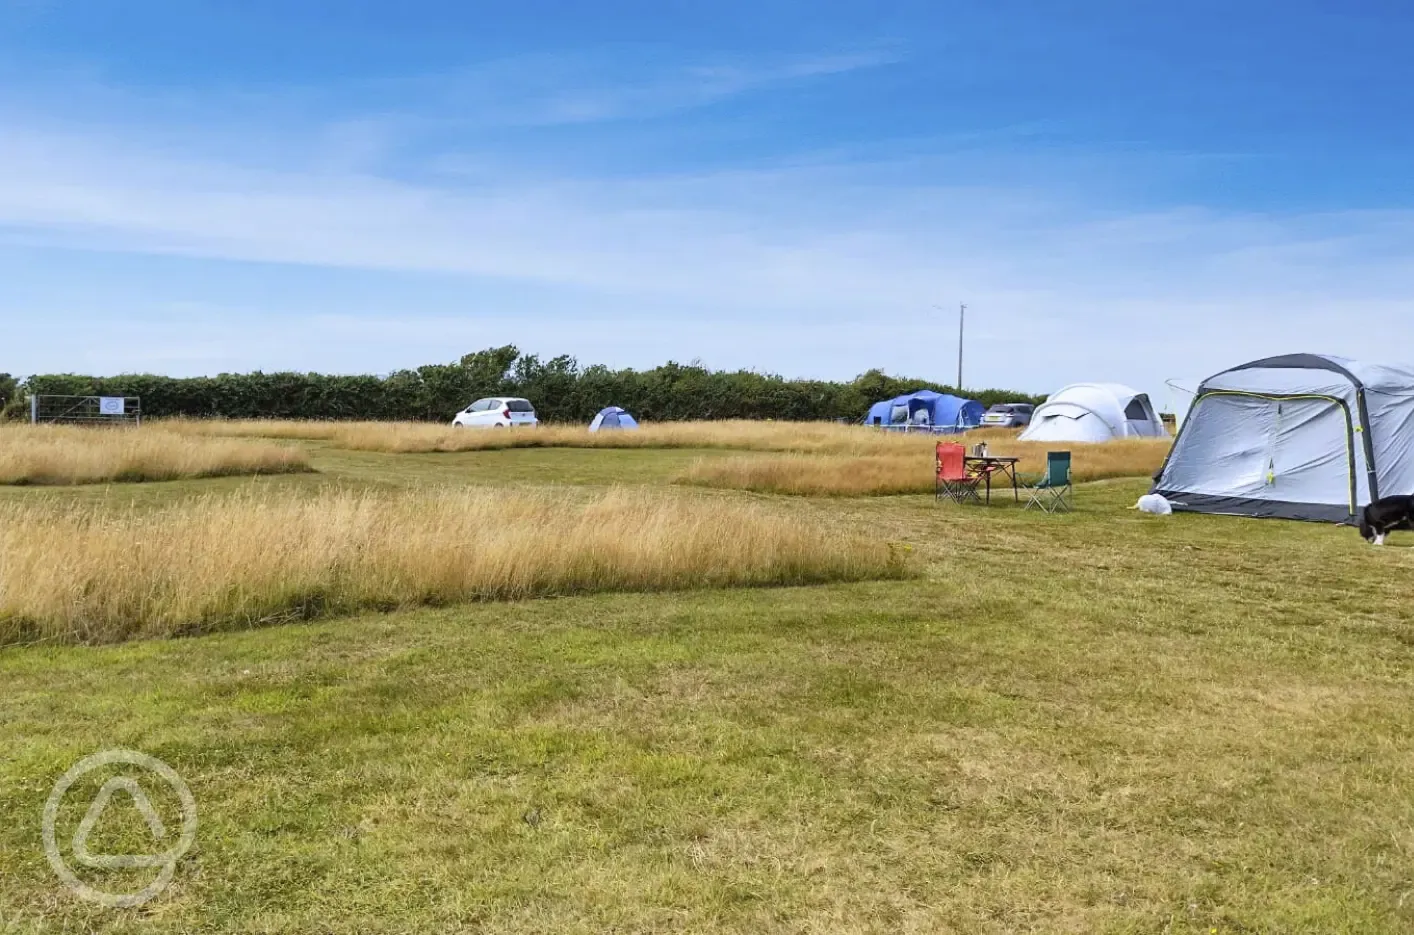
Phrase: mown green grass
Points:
(1103, 722)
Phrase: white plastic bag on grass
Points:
(1154, 503)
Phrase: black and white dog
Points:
(1386, 515)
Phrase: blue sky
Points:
(1118, 190)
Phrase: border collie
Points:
(1384, 516)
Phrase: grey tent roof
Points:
(1357, 373)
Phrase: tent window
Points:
(1136, 411)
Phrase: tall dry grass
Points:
(410, 437)
(310, 429)
(99, 574)
(813, 475)
(51, 454)
(874, 475)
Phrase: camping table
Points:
(992, 464)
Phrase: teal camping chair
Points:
(1052, 493)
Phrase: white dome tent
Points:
(1094, 412)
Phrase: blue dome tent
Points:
(925, 410)
(613, 418)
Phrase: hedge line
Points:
(560, 389)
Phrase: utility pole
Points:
(961, 317)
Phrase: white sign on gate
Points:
(110, 405)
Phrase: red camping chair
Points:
(952, 479)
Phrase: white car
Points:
(497, 412)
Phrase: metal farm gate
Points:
(86, 410)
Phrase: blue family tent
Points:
(926, 410)
(613, 418)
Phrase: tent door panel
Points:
(1310, 453)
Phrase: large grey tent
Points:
(1302, 436)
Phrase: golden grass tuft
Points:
(101, 574)
(48, 454)
(874, 475)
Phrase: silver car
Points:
(1008, 416)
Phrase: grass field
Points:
(405, 437)
(1097, 723)
(815, 459)
(872, 475)
(67, 455)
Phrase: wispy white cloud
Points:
(816, 268)
(787, 238)
(365, 123)
(610, 86)
(665, 238)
